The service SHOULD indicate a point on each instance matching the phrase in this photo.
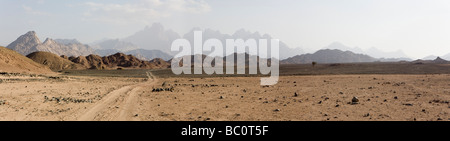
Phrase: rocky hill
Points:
(438, 60)
(90, 62)
(130, 61)
(53, 61)
(159, 63)
(115, 61)
(329, 56)
(26, 43)
(30, 42)
(11, 61)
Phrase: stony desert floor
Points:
(294, 98)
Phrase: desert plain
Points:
(303, 93)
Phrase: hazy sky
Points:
(418, 27)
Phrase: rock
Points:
(2, 102)
(341, 92)
(337, 105)
(295, 94)
(408, 104)
(355, 100)
(395, 97)
(136, 115)
(276, 110)
(366, 115)
(221, 97)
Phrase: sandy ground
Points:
(321, 97)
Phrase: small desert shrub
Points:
(314, 64)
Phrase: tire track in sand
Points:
(126, 107)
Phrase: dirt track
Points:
(118, 105)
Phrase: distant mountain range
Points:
(115, 44)
(155, 42)
(437, 60)
(156, 37)
(446, 57)
(374, 52)
(30, 42)
(329, 56)
(142, 54)
(431, 57)
(284, 50)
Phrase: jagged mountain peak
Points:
(29, 37)
(439, 60)
(154, 37)
(25, 43)
(32, 33)
(49, 41)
